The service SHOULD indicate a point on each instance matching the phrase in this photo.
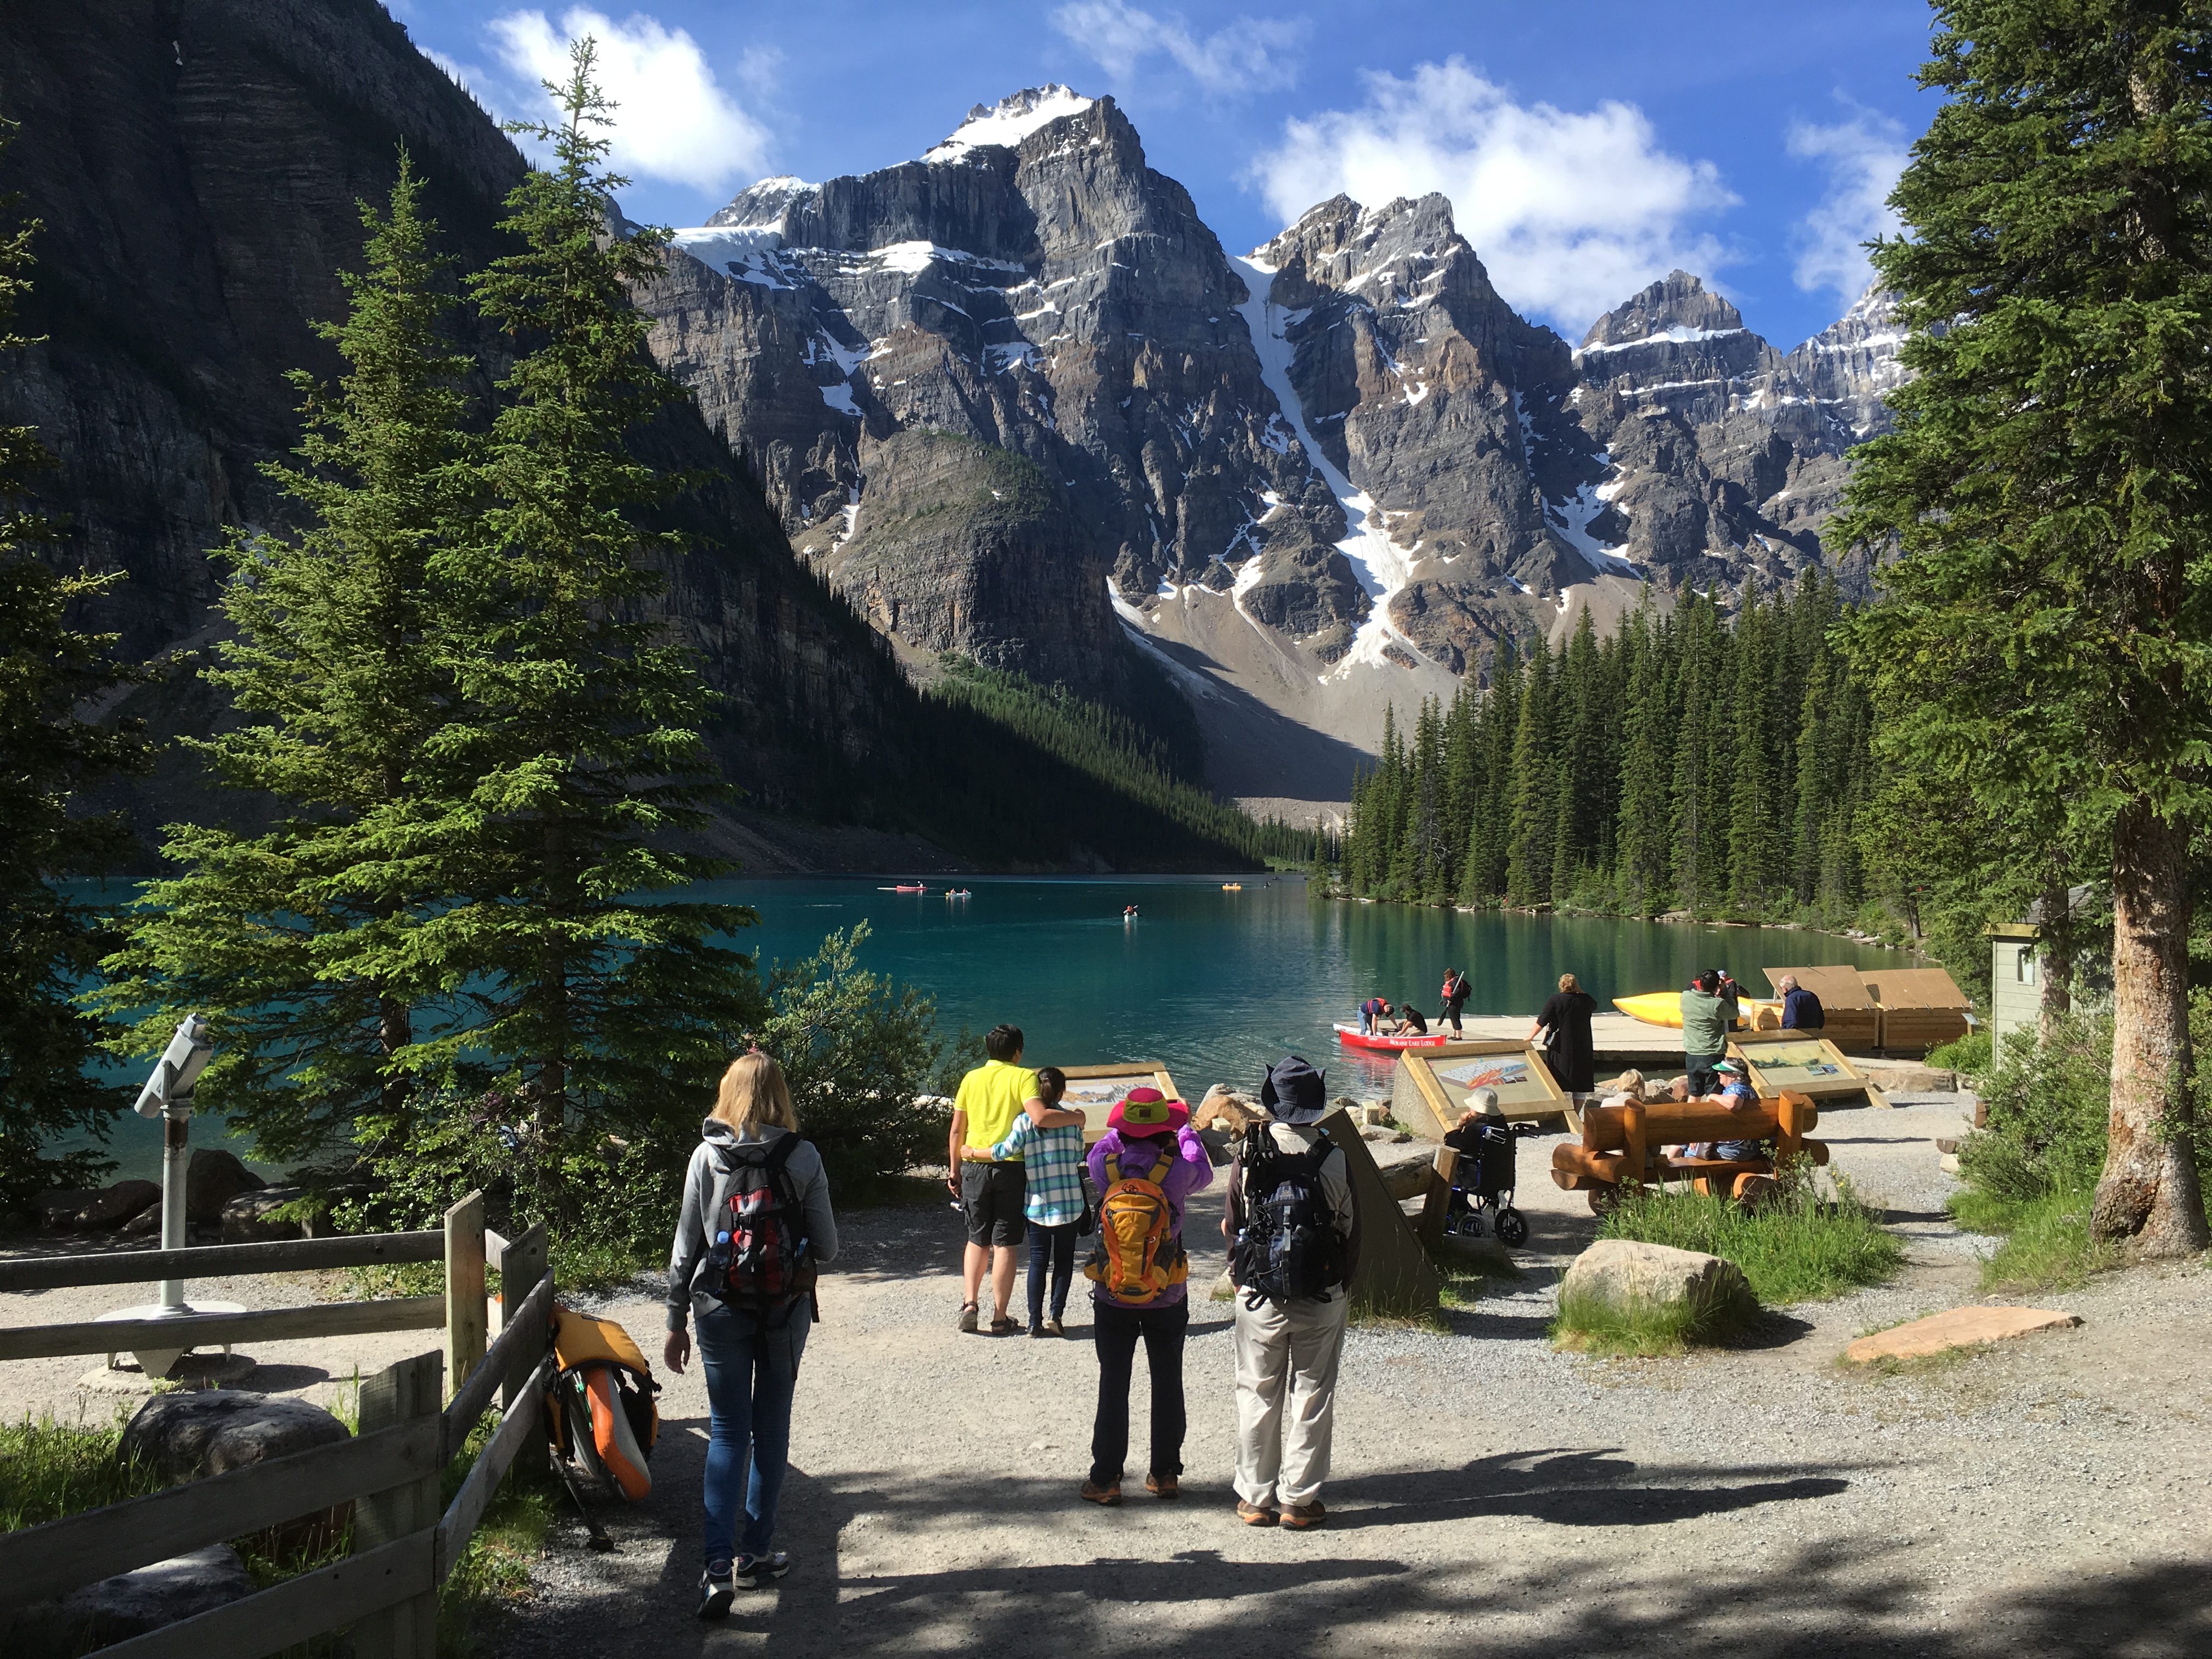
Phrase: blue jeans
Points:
(751, 1374)
(1054, 1247)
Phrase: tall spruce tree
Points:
(1645, 837)
(303, 947)
(50, 668)
(1533, 827)
(579, 740)
(2045, 634)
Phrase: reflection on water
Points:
(1214, 985)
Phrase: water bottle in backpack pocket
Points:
(757, 1259)
(1139, 1254)
(1286, 1248)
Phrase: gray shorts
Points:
(991, 1197)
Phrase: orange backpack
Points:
(1139, 1255)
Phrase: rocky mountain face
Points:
(196, 170)
(1009, 389)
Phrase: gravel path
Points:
(2046, 1496)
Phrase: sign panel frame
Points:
(1097, 1090)
(1428, 1099)
(1762, 1053)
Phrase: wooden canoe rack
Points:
(1621, 1143)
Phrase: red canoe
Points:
(1353, 1038)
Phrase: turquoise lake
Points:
(1215, 985)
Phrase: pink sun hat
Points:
(1147, 1112)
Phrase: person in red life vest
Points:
(755, 1220)
(1144, 1166)
(1454, 997)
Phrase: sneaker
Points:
(1037, 1329)
(1300, 1517)
(1162, 1485)
(969, 1314)
(1052, 1326)
(717, 1588)
(1096, 1494)
(1253, 1515)
(755, 1571)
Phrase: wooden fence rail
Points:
(404, 1547)
(221, 1260)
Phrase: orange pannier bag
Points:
(601, 1409)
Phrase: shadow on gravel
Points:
(888, 1572)
(1566, 1488)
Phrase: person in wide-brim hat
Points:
(1293, 1093)
(1146, 1111)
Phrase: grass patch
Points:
(49, 1469)
(1597, 1325)
(1797, 1247)
(2046, 1241)
(495, 1568)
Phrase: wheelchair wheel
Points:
(1512, 1228)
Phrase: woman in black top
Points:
(1573, 1053)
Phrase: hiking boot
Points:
(1162, 1485)
(1300, 1517)
(755, 1571)
(1096, 1494)
(1252, 1515)
(717, 1588)
(968, 1315)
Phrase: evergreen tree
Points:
(1751, 782)
(1646, 837)
(1533, 824)
(1490, 837)
(1432, 857)
(1700, 800)
(303, 947)
(49, 753)
(579, 742)
(2045, 635)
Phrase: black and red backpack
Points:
(756, 1254)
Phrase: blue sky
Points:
(1588, 145)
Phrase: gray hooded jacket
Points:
(687, 1257)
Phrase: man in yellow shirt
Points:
(990, 1191)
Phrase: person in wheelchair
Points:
(1483, 1181)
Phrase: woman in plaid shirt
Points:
(1054, 1198)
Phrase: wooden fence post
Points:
(521, 1266)
(465, 1289)
(409, 1629)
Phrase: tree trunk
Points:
(2058, 959)
(2149, 1190)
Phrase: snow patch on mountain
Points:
(1680, 334)
(1010, 121)
(1378, 563)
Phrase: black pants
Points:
(1116, 1330)
(1054, 1247)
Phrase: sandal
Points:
(968, 1313)
(1004, 1326)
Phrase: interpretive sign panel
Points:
(1430, 1089)
(1809, 1065)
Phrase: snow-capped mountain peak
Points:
(1010, 120)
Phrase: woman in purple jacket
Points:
(1150, 1153)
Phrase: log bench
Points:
(1621, 1143)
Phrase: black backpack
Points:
(756, 1257)
(1287, 1248)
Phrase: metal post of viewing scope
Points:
(168, 1096)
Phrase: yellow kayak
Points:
(1665, 1008)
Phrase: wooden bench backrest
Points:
(1636, 1130)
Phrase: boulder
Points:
(212, 1179)
(187, 1435)
(57, 1206)
(1223, 1108)
(246, 1219)
(1627, 1274)
(120, 1203)
(130, 1604)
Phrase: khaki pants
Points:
(1286, 1396)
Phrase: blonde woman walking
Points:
(756, 1221)
(1572, 1054)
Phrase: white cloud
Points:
(1249, 54)
(1863, 156)
(673, 121)
(1571, 212)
